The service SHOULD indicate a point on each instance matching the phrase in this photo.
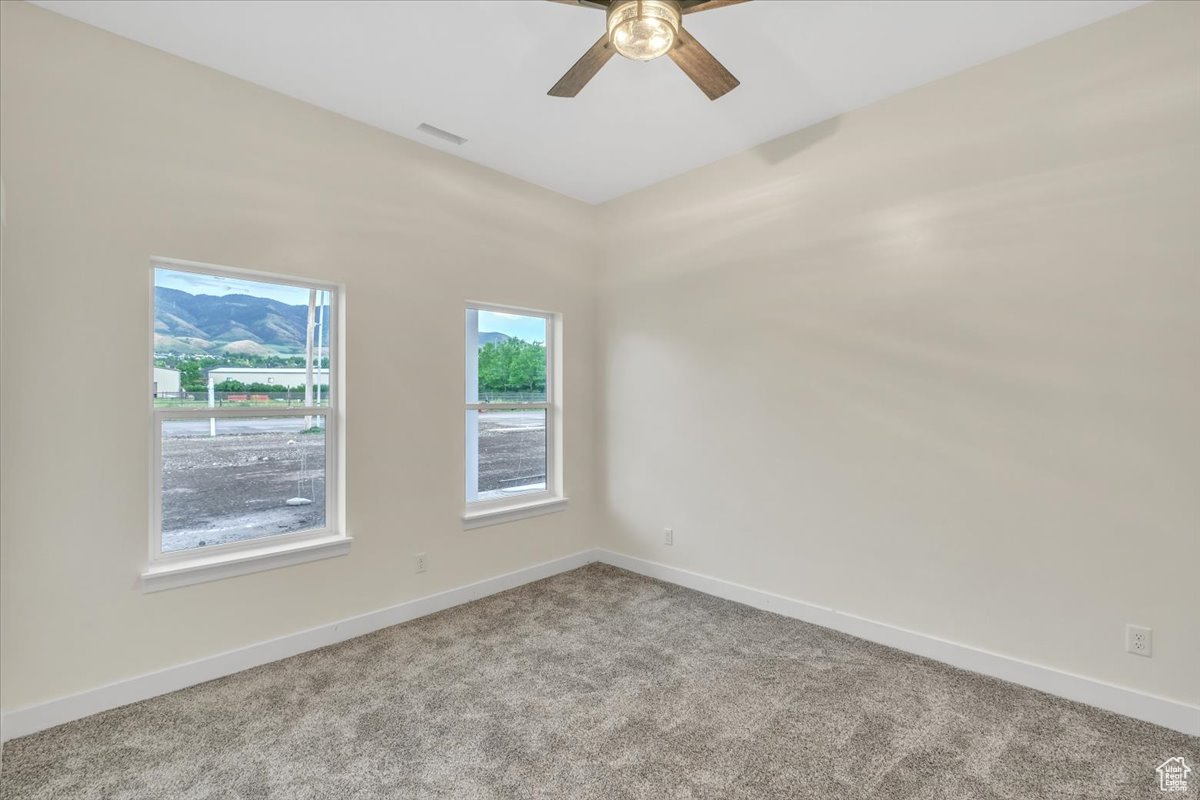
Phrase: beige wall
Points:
(936, 362)
(933, 363)
(112, 152)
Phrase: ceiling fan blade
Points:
(600, 4)
(693, 6)
(584, 70)
(699, 65)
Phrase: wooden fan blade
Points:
(600, 4)
(584, 70)
(693, 6)
(699, 65)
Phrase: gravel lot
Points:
(512, 449)
(235, 486)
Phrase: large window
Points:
(244, 412)
(512, 412)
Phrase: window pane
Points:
(512, 452)
(256, 477)
(232, 341)
(506, 357)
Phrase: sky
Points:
(195, 283)
(531, 329)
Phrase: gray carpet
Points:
(598, 684)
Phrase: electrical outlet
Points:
(420, 562)
(1139, 640)
(668, 536)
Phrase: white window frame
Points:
(480, 513)
(167, 570)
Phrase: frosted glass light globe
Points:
(643, 29)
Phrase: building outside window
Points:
(246, 439)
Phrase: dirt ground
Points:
(235, 486)
(512, 449)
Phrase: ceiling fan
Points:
(646, 29)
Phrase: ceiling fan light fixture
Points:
(643, 29)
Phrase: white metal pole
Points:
(212, 403)
(320, 330)
(308, 355)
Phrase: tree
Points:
(190, 378)
(513, 365)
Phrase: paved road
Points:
(243, 425)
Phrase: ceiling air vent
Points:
(445, 136)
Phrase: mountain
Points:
(237, 324)
(232, 323)
(492, 337)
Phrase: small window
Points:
(512, 411)
(244, 411)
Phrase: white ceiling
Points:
(481, 69)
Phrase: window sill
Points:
(185, 572)
(481, 518)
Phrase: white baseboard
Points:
(1158, 710)
(24, 721)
